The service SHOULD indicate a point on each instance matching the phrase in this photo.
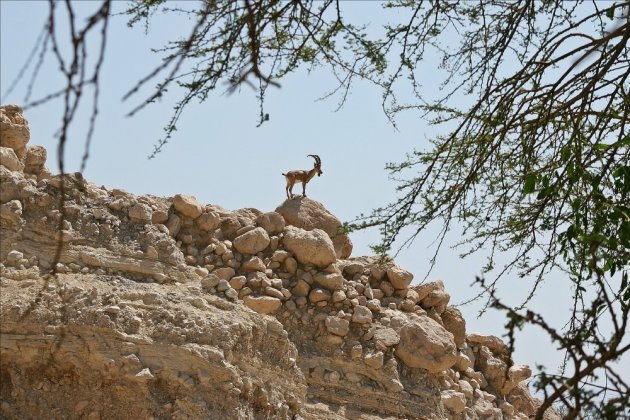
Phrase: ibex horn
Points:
(318, 161)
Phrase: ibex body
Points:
(302, 176)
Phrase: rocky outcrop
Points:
(170, 308)
(307, 214)
(14, 130)
(426, 344)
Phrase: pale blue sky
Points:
(219, 156)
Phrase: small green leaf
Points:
(530, 184)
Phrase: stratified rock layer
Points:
(168, 308)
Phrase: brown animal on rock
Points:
(302, 176)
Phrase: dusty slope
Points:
(166, 308)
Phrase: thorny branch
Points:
(589, 350)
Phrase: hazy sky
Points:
(221, 157)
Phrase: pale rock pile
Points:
(149, 315)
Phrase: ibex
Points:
(302, 176)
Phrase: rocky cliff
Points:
(168, 308)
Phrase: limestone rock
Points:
(11, 212)
(453, 400)
(35, 159)
(309, 247)
(238, 282)
(332, 281)
(159, 217)
(253, 264)
(210, 281)
(14, 258)
(463, 362)
(263, 304)
(523, 402)
(302, 212)
(318, 295)
(374, 360)
(433, 295)
(352, 267)
(301, 288)
(225, 273)
(230, 226)
(466, 388)
(494, 343)
(138, 304)
(386, 337)
(173, 224)
(362, 315)
(516, 374)
(485, 409)
(9, 159)
(399, 278)
(14, 130)
(252, 242)
(273, 292)
(337, 326)
(426, 344)
(493, 368)
(140, 213)
(455, 323)
(272, 222)
(387, 288)
(247, 215)
(290, 265)
(187, 205)
(208, 221)
(185, 352)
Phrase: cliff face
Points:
(166, 308)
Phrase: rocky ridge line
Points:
(168, 308)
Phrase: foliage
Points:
(535, 168)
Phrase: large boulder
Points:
(386, 337)
(9, 159)
(455, 323)
(35, 159)
(140, 213)
(11, 212)
(433, 295)
(208, 221)
(309, 214)
(14, 186)
(399, 278)
(272, 222)
(309, 247)
(262, 304)
(516, 374)
(453, 400)
(494, 343)
(187, 205)
(252, 241)
(426, 344)
(330, 281)
(337, 326)
(362, 315)
(493, 368)
(14, 131)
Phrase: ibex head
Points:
(318, 165)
